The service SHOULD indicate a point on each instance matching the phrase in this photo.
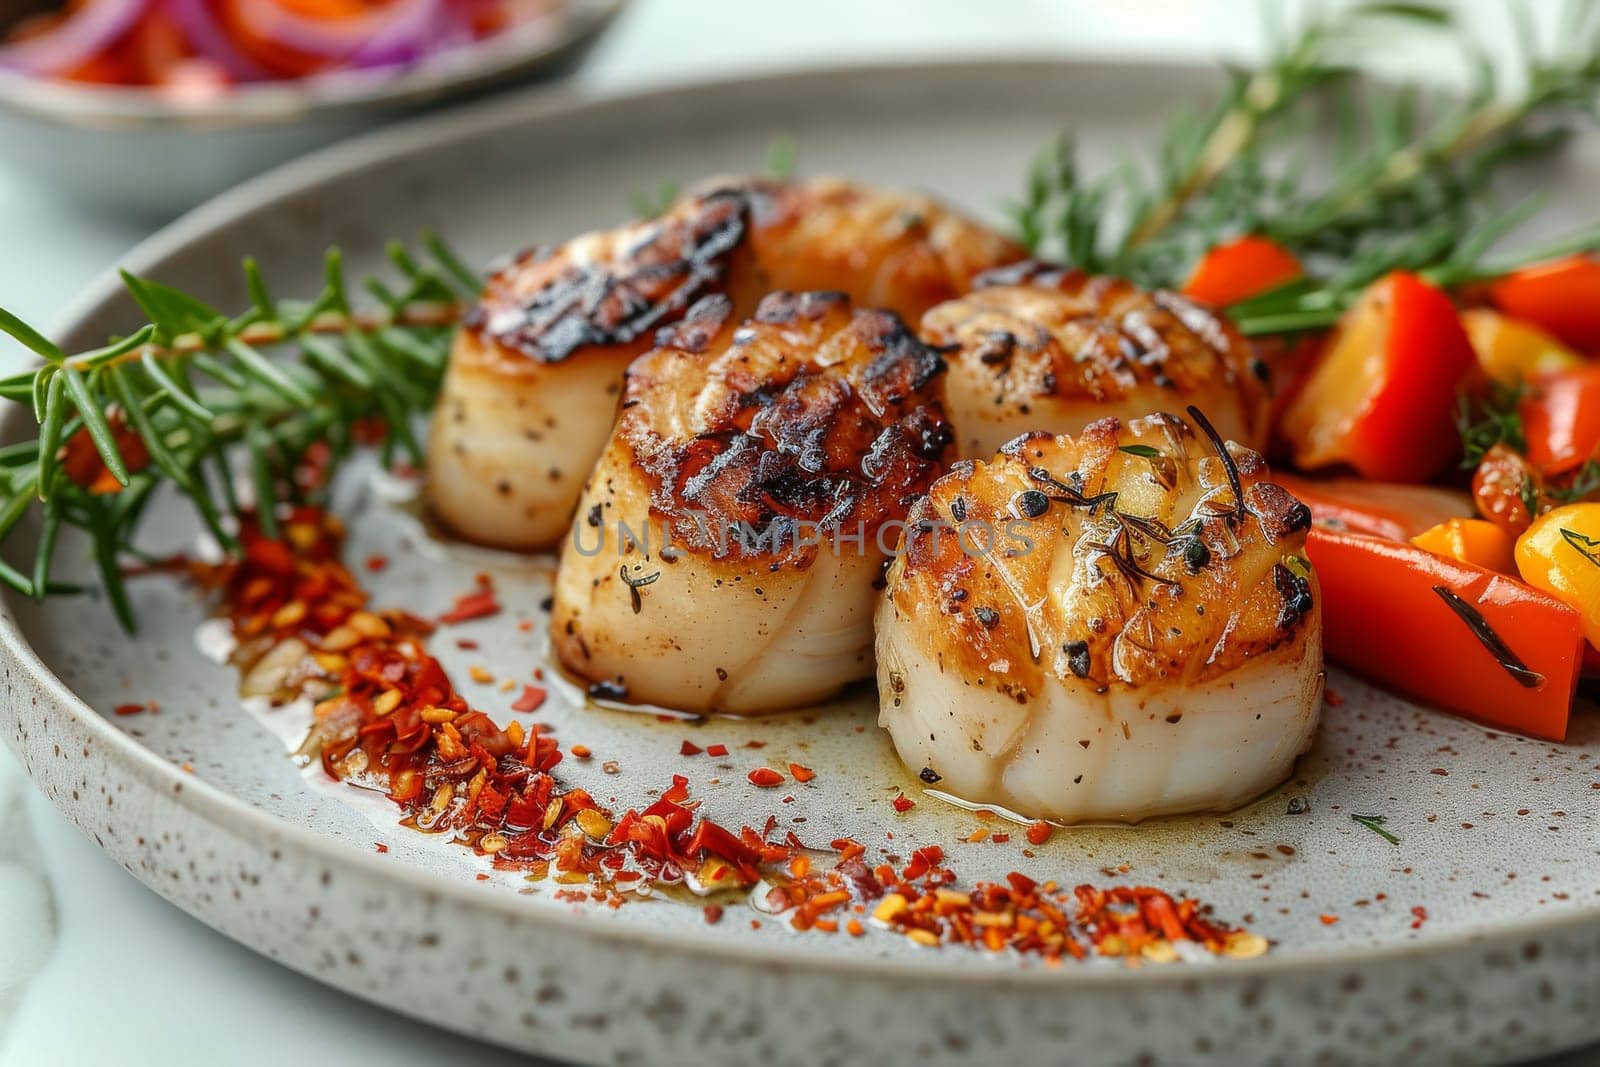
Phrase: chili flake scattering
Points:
(532, 699)
(478, 604)
(389, 718)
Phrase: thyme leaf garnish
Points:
(1587, 547)
(1585, 483)
(1375, 824)
(1509, 661)
(636, 584)
(1488, 420)
(1228, 464)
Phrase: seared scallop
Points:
(1112, 626)
(1034, 348)
(730, 544)
(531, 392)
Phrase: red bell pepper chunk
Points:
(1382, 397)
(1561, 420)
(1562, 296)
(1384, 616)
(1240, 269)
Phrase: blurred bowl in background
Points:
(140, 151)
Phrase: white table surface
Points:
(94, 968)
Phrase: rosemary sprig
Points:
(1409, 187)
(172, 401)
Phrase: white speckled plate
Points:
(1498, 835)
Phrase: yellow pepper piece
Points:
(1510, 350)
(1560, 553)
(1478, 541)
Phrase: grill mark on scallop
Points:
(817, 414)
(660, 272)
(1114, 333)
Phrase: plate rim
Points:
(220, 808)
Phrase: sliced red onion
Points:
(200, 28)
(406, 39)
(339, 38)
(78, 39)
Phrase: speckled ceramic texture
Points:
(1497, 834)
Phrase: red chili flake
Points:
(1328, 920)
(482, 877)
(525, 625)
(1419, 915)
(504, 798)
(847, 847)
(903, 803)
(381, 847)
(129, 709)
(581, 752)
(713, 913)
(801, 774)
(466, 644)
(81, 461)
(477, 604)
(377, 562)
(1039, 832)
(531, 699)
(1331, 697)
(923, 860)
(689, 748)
(999, 839)
(754, 744)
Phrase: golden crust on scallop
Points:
(743, 237)
(1128, 556)
(611, 288)
(888, 249)
(809, 413)
(1039, 348)
(730, 543)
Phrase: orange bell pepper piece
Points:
(1477, 541)
(1382, 398)
(1398, 512)
(1241, 269)
(1448, 633)
(1562, 296)
(1561, 420)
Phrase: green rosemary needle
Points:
(169, 402)
(1409, 188)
